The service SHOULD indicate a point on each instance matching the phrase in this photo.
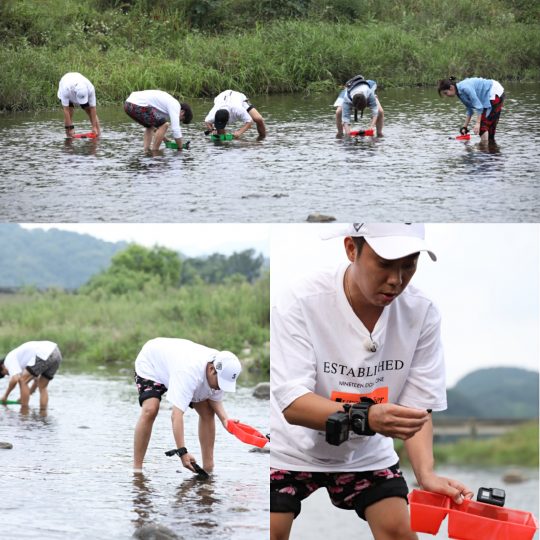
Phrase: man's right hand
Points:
(187, 460)
(396, 421)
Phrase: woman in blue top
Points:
(485, 96)
(358, 94)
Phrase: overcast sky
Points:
(485, 283)
(191, 239)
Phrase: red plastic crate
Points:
(427, 510)
(473, 520)
(470, 520)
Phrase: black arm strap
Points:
(180, 451)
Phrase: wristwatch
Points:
(358, 415)
(180, 451)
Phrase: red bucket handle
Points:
(246, 434)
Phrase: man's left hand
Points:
(457, 491)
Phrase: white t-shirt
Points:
(73, 83)
(234, 102)
(180, 365)
(319, 345)
(162, 102)
(25, 355)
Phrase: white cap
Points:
(389, 240)
(228, 368)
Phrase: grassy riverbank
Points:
(184, 49)
(110, 330)
(518, 447)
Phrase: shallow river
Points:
(299, 169)
(69, 474)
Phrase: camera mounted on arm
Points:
(354, 417)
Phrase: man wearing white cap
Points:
(193, 376)
(74, 89)
(362, 342)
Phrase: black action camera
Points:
(493, 496)
(354, 417)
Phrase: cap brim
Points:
(219, 125)
(396, 247)
(226, 386)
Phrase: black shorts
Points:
(83, 105)
(46, 367)
(149, 389)
(348, 490)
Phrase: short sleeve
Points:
(182, 386)
(12, 364)
(426, 384)
(292, 358)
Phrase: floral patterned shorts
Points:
(149, 389)
(347, 490)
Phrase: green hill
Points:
(52, 258)
(501, 392)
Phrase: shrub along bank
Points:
(199, 48)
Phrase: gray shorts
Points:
(46, 367)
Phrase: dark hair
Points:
(446, 84)
(2, 374)
(359, 101)
(188, 113)
(359, 242)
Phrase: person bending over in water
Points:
(485, 96)
(195, 376)
(231, 106)
(156, 110)
(358, 94)
(33, 360)
(76, 89)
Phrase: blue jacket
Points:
(474, 93)
(347, 102)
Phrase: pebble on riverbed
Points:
(319, 218)
(514, 476)
(262, 390)
(154, 531)
(6, 445)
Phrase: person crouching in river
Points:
(74, 89)
(485, 96)
(358, 94)
(156, 110)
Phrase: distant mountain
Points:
(501, 392)
(51, 258)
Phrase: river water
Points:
(346, 524)
(299, 169)
(69, 474)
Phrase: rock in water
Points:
(6, 445)
(319, 218)
(154, 531)
(262, 390)
(514, 476)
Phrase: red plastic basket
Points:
(246, 433)
(470, 520)
(366, 133)
(427, 510)
(473, 520)
(89, 135)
